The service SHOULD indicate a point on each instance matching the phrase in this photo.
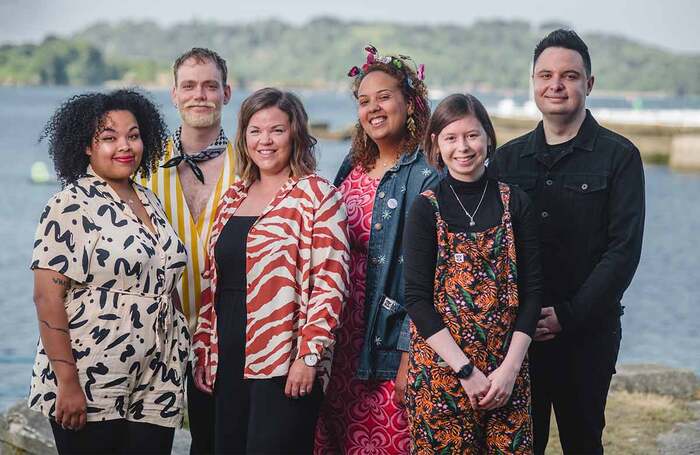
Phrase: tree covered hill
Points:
(485, 55)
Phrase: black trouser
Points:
(200, 413)
(572, 374)
(114, 437)
(254, 416)
(274, 424)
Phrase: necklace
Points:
(471, 216)
(390, 162)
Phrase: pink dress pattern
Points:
(358, 416)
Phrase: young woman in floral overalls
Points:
(473, 286)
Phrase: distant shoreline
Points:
(344, 87)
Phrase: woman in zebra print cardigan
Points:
(278, 260)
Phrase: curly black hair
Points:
(75, 124)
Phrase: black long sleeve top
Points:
(420, 247)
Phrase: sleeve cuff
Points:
(404, 342)
(309, 347)
(565, 316)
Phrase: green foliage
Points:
(54, 62)
(493, 54)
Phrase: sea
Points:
(662, 318)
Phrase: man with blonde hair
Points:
(196, 170)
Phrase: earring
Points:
(411, 126)
(363, 134)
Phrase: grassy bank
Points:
(634, 421)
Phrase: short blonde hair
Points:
(303, 159)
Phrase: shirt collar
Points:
(584, 139)
(408, 158)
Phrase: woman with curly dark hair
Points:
(380, 177)
(113, 343)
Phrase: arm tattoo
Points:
(60, 329)
(62, 361)
(60, 282)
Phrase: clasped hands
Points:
(492, 391)
(548, 325)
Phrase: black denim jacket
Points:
(590, 201)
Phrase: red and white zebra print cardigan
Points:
(297, 263)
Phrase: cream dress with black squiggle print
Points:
(129, 342)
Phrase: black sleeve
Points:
(527, 250)
(615, 270)
(420, 257)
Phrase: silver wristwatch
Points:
(310, 360)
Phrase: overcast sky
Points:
(671, 24)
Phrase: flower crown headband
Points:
(373, 56)
(399, 61)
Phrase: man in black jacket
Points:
(587, 186)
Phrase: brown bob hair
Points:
(364, 151)
(303, 159)
(453, 108)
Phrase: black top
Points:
(551, 152)
(229, 253)
(589, 203)
(420, 247)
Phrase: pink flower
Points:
(421, 72)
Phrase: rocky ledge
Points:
(26, 432)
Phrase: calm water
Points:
(661, 323)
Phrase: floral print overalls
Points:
(476, 294)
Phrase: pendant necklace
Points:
(471, 217)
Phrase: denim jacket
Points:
(387, 325)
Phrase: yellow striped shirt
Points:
(165, 183)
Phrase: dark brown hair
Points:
(364, 151)
(451, 109)
(303, 159)
(202, 55)
(568, 39)
(74, 126)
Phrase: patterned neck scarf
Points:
(214, 149)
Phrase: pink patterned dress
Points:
(358, 416)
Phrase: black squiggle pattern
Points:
(99, 369)
(130, 357)
(66, 237)
(113, 213)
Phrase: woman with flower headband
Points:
(380, 177)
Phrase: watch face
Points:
(310, 360)
(465, 371)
